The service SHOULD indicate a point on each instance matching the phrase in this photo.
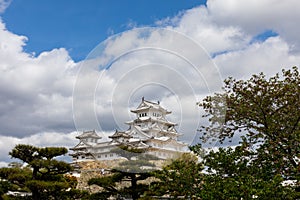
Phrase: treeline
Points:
(264, 112)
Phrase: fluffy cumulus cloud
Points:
(179, 63)
(57, 139)
(160, 64)
(229, 31)
(35, 93)
(258, 16)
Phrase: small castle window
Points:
(143, 114)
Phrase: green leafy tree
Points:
(181, 178)
(4, 188)
(266, 110)
(231, 174)
(266, 113)
(14, 179)
(44, 177)
(136, 168)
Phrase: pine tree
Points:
(44, 176)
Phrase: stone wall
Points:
(94, 169)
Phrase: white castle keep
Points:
(150, 131)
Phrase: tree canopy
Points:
(182, 177)
(44, 176)
(266, 113)
(137, 167)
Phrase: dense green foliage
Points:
(266, 113)
(136, 168)
(44, 177)
(180, 178)
(266, 110)
(233, 174)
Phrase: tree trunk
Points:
(134, 193)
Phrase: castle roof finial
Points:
(143, 99)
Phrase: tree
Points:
(14, 179)
(44, 177)
(4, 188)
(266, 113)
(136, 168)
(180, 178)
(231, 174)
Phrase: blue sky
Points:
(79, 26)
(43, 45)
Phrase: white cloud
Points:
(11, 45)
(169, 65)
(155, 63)
(4, 4)
(227, 29)
(198, 24)
(3, 164)
(36, 92)
(269, 57)
(256, 16)
(55, 139)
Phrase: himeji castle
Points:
(150, 131)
